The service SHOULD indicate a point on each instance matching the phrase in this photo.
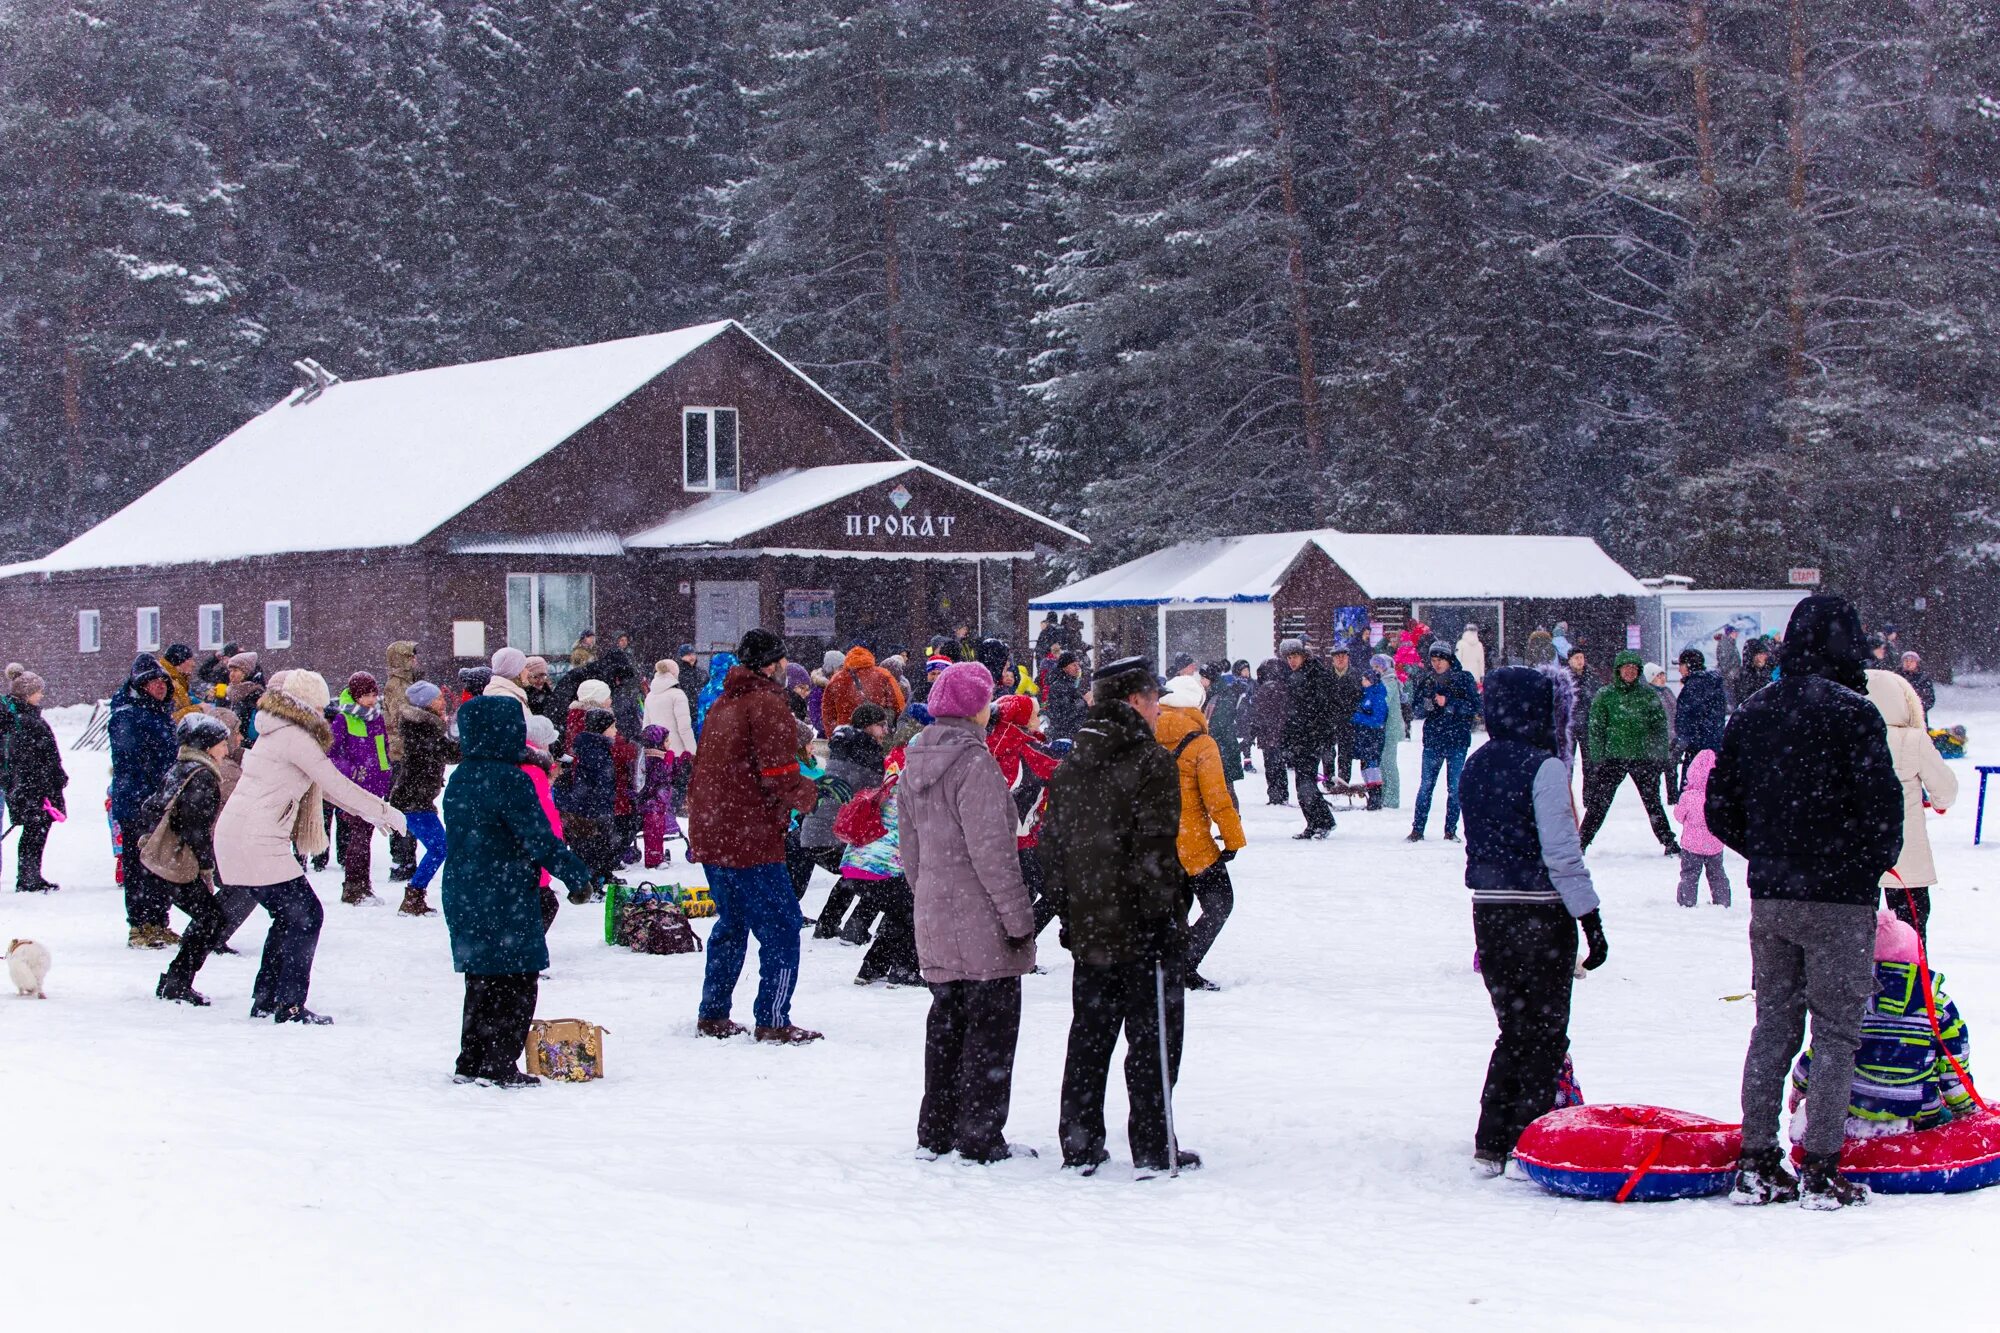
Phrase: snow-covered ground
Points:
(193, 1169)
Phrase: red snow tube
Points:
(1951, 1159)
(1630, 1153)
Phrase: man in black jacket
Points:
(1308, 732)
(1344, 697)
(1062, 700)
(1111, 865)
(1702, 710)
(1806, 789)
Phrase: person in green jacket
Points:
(1628, 738)
(497, 841)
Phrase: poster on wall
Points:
(809, 613)
(1697, 627)
(1350, 625)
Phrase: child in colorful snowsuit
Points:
(361, 753)
(1904, 1075)
(654, 796)
(1371, 720)
(874, 871)
(1701, 850)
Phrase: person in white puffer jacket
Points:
(1927, 781)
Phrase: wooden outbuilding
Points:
(681, 487)
(1238, 597)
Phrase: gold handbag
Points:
(165, 853)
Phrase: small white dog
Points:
(28, 967)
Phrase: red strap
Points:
(1632, 1181)
(780, 772)
(1930, 1001)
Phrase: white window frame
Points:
(89, 632)
(203, 639)
(533, 644)
(736, 472)
(273, 612)
(143, 640)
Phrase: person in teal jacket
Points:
(1629, 738)
(497, 841)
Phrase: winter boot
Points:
(512, 1078)
(180, 993)
(402, 874)
(1006, 1152)
(721, 1029)
(1196, 981)
(1761, 1178)
(1488, 1168)
(298, 1013)
(140, 937)
(1086, 1163)
(321, 861)
(788, 1035)
(1185, 1160)
(1416, 835)
(1824, 1190)
(414, 904)
(354, 895)
(1374, 796)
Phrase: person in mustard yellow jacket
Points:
(1208, 806)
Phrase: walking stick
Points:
(1166, 1075)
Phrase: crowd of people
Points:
(965, 807)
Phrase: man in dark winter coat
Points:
(745, 786)
(142, 750)
(1309, 730)
(1806, 788)
(1628, 739)
(1344, 696)
(31, 768)
(1063, 703)
(1703, 709)
(1729, 663)
(1267, 729)
(498, 842)
(1227, 715)
(1450, 702)
(1912, 670)
(1530, 893)
(1111, 861)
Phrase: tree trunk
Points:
(1295, 262)
(1704, 132)
(1795, 137)
(892, 273)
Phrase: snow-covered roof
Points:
(420, 447)
(1252, 568)
(723, 519)
(545, 543)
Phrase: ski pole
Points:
(1166, 1075)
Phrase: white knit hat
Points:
(308, 688)
(593, 692)
(1184, 692)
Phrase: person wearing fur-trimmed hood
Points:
(276, 808)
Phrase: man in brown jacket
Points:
(745, 786)
(975, 920)
(395, 697)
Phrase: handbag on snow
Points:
(566, 1049)
(648, 919)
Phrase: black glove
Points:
(1593, 933)
(1227, 856)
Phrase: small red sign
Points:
(1805, 577)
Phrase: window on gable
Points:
(710, 458)
(546, 612)
(148, 629)
(277, 624)
(89, 636)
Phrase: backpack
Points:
(860, 820)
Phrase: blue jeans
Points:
(428, 829)
(1452, 764)
(759, 902)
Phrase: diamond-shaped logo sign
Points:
(900, 497)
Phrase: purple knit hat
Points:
(962, 690)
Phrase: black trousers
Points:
(498, 1009)
(147, 896)
(34, 839)
(1277, 778)
(595, 843)
(1338, 757)
(895, 945)
(285, 973)
(1107, 1000)
(1038, 889)
(1915, 910)
(357, 838)
(1319, 815)
(237, 905)
(206, 923)
(969, 1043)
(1217, 896)
(1527, 957)
(1600, 783)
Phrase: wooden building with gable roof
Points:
(681, 486)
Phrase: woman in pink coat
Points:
(541, 735)
(1700, 849)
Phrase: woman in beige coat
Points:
(274, 809)
(1926, 780)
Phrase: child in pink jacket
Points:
(541, 735)
(1700, 849)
